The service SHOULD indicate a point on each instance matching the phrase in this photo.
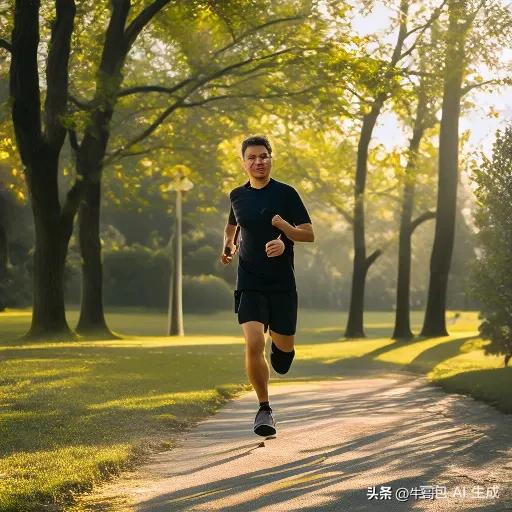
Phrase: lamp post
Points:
(175, 314)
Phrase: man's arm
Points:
(229, 234)
(229, 237)
(300, 233)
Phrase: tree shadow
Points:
(422, 447)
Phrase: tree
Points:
(244, 60)
(423, 119)
(40, 136)
(492, 279)
(462, 48)
(382, 81)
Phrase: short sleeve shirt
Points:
(252, 209)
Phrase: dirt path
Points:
(335, 440)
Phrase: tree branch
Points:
(422, 29)
(372, 258)
(155, 88)
(472, 17)
(57, 76)
(79, 103)
(144, 151)
(6, 45)
(254, 30)
(71, 205)
(470, 87)
(421, 219)
(24, 80)
(143, 18)
(248, 95)
(181, 101)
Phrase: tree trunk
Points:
(354, 327)
(4, 250)
(435, 320)
(92, 320)
(89, 157)
(361, 264)
(39, 152)
(51, 244)
(402, 315)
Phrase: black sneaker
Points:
(264, 423)
(280, 360)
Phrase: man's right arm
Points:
(229, 236)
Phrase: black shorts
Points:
(277, 309)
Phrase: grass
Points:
(74, 413)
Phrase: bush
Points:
(200, 261)
(139, 276)
(136, 276)
(16, 287)
(492, 278)
(206, 293)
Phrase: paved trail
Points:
(335, 440)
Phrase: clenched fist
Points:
(274, 248)
(279, 222)
(229, 251)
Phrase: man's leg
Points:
(282, 325)
(284, 343)
(255, 362)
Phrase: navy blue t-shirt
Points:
(252, 209)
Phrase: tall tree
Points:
(239, 67)
(466, 42)
(423, 119)
(386, 82)
(40, 136)
(119, 39)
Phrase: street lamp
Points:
(179, 184)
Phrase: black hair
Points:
(256, 140)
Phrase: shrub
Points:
(206, 293)
(492, 278)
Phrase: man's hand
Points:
(229, 251)
(274, 247)
(279, 223)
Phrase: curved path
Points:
(347, 444)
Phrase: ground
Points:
(74, 414)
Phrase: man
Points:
(271, 217)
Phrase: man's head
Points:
(257, 157)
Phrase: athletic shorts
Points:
(274, 309)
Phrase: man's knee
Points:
(282, 341)
(254, 338)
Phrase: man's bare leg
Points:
(284, 343)
(282, 352)
(255, 362)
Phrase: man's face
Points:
(257, 162)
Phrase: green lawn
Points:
(73, 413)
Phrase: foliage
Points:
(492, 275)
(206, 293)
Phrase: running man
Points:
(271, 216)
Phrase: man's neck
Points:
(256, 183)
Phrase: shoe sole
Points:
(265, 430)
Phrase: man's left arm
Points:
(300, 233)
